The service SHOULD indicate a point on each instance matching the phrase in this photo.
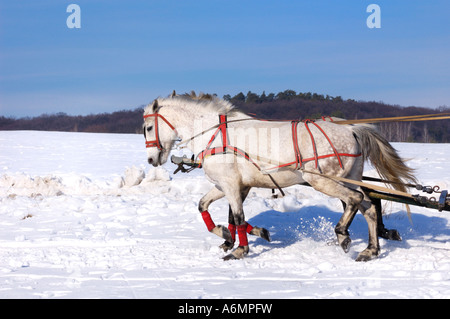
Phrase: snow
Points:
(84, 216)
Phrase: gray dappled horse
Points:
(238, 152)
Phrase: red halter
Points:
(156, 142)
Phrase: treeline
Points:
(126, 121)
(291, 105)
(286, 105)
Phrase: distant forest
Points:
(286, 105)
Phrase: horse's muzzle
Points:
(152, 162)
(155, 161)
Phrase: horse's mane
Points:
(200, 97)
(204, 101)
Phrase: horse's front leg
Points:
(251, 230)
(235, 198)
(228, 245)
(219, 230)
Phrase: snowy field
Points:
(84, 216)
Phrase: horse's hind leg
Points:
(350, 210)
(383, 232)
(373, 217)
(341, 229)
(351, 199)
(370, 214)
(369, 211)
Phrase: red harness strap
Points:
(156, 142)
(316, 157)
(222, 129)
(298, 158)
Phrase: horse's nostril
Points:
(150, 160)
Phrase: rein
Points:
(413, 118)
(212, 128)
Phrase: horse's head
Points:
(159, 134)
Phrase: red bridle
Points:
(156, 142)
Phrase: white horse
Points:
(238, 152)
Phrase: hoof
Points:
(222, 232)
(344, 241)
(367, 254)
(226, 246)
(238, 253)
(260, 232)
(390, 234)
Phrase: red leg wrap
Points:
(208, 220)
(242, 233)
(232, 229)
(249, 228)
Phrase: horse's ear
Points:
(173, 93)
(155, 106)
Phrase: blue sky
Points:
(127, 53)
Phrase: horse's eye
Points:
(149, 128)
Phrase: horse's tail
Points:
(376, 149)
